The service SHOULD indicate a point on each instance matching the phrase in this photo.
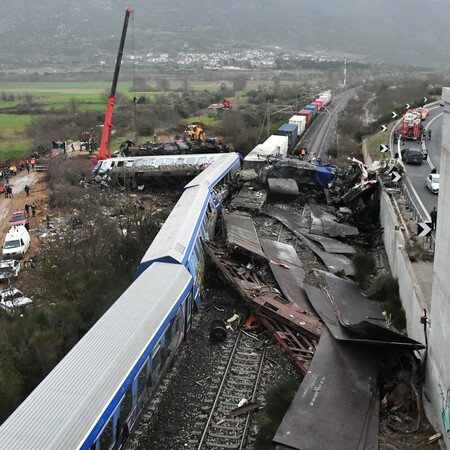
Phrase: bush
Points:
(364, 266)
(278, 401)
(385, 289)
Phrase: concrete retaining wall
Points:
(401, 268)
(437, 362)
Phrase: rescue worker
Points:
(433, 215)
(303, 153)
(33, 209)
(27, 190)
(429, 134)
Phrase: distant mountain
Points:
(58, 32)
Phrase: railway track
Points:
(323, 130)
(221, 428)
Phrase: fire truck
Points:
(411, 125)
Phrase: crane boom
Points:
(104, 151)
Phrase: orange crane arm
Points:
(105, 150)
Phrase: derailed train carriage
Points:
(96, 394)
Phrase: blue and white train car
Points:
(217, 176)
(94, 396)
(178, 241)
(135, 162)
(193, 217)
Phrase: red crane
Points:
(105, 150)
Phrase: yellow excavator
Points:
(193, 132)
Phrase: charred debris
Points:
(177, 147)
(285, 243)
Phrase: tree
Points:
(140, 85)
(233, 125)
(163, 84)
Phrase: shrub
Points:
(364, 266)
(278, 401)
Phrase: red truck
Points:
(411, 126)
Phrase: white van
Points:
(17, 242)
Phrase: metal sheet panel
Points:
(249, 200)
(286, 186)
(334, 263)
(364, 323)
(329, 223)
(335, 404)
(288, 271)
(72, 398)
(241, 233)
(289, 218)
(330, 245)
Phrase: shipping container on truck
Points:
(307, 113)
(291, 131)
(313, 108)
(300, 121)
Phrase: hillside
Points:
(56, 32)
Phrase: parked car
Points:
(20, 218)
(17, 242)
(432, 182)
(12, 300)
(9, 268)
(412, 156)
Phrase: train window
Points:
(142, 380)
(156, 360)
(106, 438)
(208, 210)
(190, 161)
(126, 405)
(168, 334)
(180, 161)
(201, 161)
(178, 321)
(93, 446)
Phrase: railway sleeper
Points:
(241, 382)
(214, 445)
(227, 436)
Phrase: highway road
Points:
(417, 174)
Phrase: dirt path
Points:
(38, 195)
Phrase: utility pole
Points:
(135, 121)
(345, 72)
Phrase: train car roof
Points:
(216, 170)
(158, 160)
(61, 411)
(174, 241)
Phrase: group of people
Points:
(422, 137)
(31, 208)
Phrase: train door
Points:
(188, 315)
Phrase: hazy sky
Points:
(407, 31)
